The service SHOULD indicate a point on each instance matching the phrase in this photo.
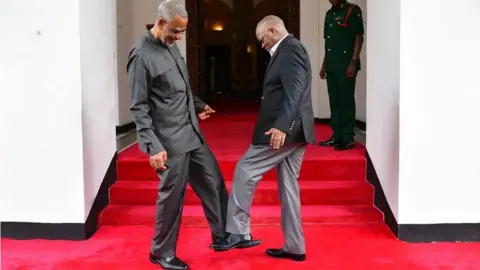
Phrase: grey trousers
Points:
(258, 160)
(200, 169)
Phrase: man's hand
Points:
(351, 71)
(277, 138)
(207, 111)
(323, 74)
(159, 161)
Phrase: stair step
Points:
(311, 192)
(319, 169)
(260, 215)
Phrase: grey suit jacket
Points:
(163, 106)
(287, 96)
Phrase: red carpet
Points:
(333, 186)
(343, 229)
(337, 247)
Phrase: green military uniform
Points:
(342, 24)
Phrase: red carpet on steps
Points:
(333, 185)
(343, 229)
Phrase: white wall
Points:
(361, 84)
(125, 40)
(422, 94)
(439, 112)
(58, 110)
(41, 161)
(131, 20)
(98, 45)
(311, 35)
(383, 56)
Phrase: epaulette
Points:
(349, 12)
(352, 5)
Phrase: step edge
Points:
(370, 206)
(151, 181)
(341, 185)
(145, 161)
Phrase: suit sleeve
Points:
(139, 80)
(293, 75)
(198, 104)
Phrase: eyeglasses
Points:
(263, 37)
(177, 31)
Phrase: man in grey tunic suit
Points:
(165, 113)
(284, 128)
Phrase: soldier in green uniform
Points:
(343, 33)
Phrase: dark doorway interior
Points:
(225, 60)
(217, 71)
(263, 57)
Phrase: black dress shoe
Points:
(344, 146)
(329, 142)
(280, 253)
(168, 263)
(236, 241)
(217, 241)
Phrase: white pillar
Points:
(423, 107)
(439, 113)
(383, 82)
(57, 109)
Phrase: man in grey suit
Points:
(284, 128)
(165, 113)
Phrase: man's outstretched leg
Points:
(258, 160)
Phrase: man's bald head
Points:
(270, 30)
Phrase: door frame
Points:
(193, 38)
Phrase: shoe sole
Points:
(346, 148)
(287, 258)
(293, 258)
(159, 264)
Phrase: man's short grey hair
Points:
(168, 9)
(271, 21)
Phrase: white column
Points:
(98, 47)
(57, 112)
(439, 113)
(383, 82)
(422, 109)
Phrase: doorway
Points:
(217, 71)
(224, 59)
